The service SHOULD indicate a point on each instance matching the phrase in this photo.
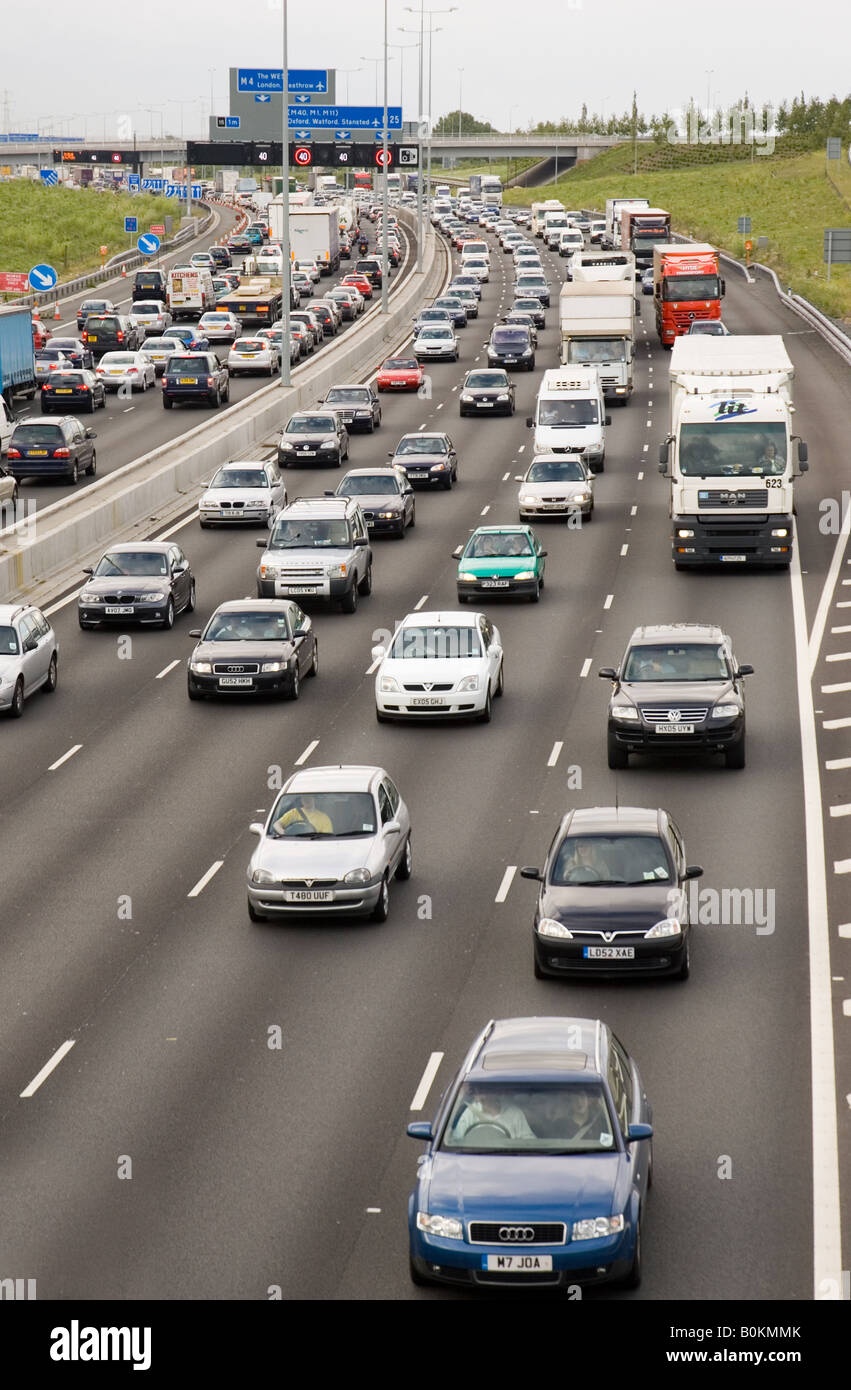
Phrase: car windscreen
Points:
(102, 324)
(322, 815)
(345, 395)
(610, 861)
(159, 345)
(401, 364)
(556, 471)
(8, 641)
(61, 378)
(433, 316)
(502, 547)
(591, 350)
(188, 366)
(312, 424)
(479, 380)
(251, 344)
(93, 306)
(565, 414)
(676, 661)
(240, 477)
(309, 533)
(50, 355)
(27, 435)
(366, 485)
(421, 444)
(209, 319)
(131, 562)
(435, 332)
(436, 643)
(514, 1117)
(140, 307)
(729, 448)
(247, 627)
(510, 337)
(117, 359)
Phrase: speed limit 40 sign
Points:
(384, 158)
(302, 154)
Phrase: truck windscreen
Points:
(564, 414)
(591, 350)
(732, 449)
(684, 287)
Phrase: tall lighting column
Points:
(286, 266)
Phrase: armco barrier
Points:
(68, 534)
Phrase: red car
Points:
(400, 374)
(360, 282)
(41, 333)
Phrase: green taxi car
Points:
(502, 560)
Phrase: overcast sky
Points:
(527, 61)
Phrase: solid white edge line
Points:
(302, 759)
(170, 667)
(554, 755)
(507, 879)
(817, 634)
(65, 756)
(827, 1243)
(431, 1069)
(205, 879)
(47, 1069)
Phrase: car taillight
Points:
(120, 336)
(61, 453)
(84, 388)
(13, 454)
(132, 371)
(209, 381)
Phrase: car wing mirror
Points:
(744, 671)
(608, 673)
(256, 827)
(530, 871)
(636, 1133)
(420, 1129)
(694, 871)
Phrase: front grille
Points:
(303, 883)
(486, 1276)
(543, 1233)
(733, 497)
(665, 714)
(311, 575)
(429, 689)
(223, 668)
(123, 598)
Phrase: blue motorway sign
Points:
(48, 176)
(178, 190)
(148, 244)
(42, 277)
(227, 122)
(134, 183)
(131, 224)
(272, 79)
(152, 185)
(262, 96)
(345, 117)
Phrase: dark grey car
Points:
(385, 497)
(313, 436)
(143, 582)
(357, 406)
(427, 459)
(253, 647)
(488, 392)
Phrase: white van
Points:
(570, 416)
(475, 248)
(190, 292)
(570, 241)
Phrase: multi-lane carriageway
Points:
(254, 1166)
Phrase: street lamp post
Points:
(710, 72)
(422, 12)
(460, 78)
(385, 266)
(345, 72)
(286, 264)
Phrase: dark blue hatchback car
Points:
(538, 1163)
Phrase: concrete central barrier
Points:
(61, 538)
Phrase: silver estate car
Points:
(330, 846)
(28, 656)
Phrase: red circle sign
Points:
(383, 158)
(303, 154)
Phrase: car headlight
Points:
(503, 397)
(685, 535)
(581, 497)
(525, 574)
(725, 711)
(624, 712)
(262, 876)
(329, 444)
(449, 1227)
(203, 668)
(387, 516)
(273, 666)
(465, 396)
(468, 683)
(357, 877)
(388, 683)
(593, 1227)
(548, 926)
(466, 578)
(87, 596)
(780, 531)
(527, 352)
(440, 466)
(268, 571)
(157, 597)
(287, 446)
(337, 571)
(669, 926)
(526, 498)
(363, 414)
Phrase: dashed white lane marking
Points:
(205, 879)
(625, 548)
(505, 477)
(419, 603)
(641, 477)
(431, 1069)
(843, 810)
(842, 866)
(485, 510)
(845, 929)
(842, 604)
(374, 667)
(608, 601)
(507, 879)
(845, 628)
(646, 449)
(836, 723)
(839, 689)
(586, 667)
(164, 672)
(523, 446)
(127, 409)
(47, 1069)
(633, 511)
(837, 764)
(839, 656)
(440, 405)
(554, 755)
(65, 756)
(302, 759)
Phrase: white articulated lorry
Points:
(314, 233)
(597, 330)
(731, 454)
(614, 208)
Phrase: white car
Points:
(150, 314)
(254, 355)
(476, 265)
(219, 326)
(159, 350)
(243, 491)
(436, 340)
(556, 485)
(354, 297)
(310, 269)
(439, 664)
(133, 369)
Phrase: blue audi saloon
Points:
(538, 1162)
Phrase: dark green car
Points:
(499, 560)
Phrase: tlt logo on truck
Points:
(731, 410)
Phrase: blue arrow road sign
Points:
(263, 97)
(152, 185)
(42, 277)
(148, 244)
(342, 135)
(130, 224)
(302, 101)
(348, 117)
(48, 176)
(272, 79)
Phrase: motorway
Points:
(172, 1153)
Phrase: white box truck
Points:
(592, 266)
(570, 415)
(614, 207)
(731, 454)
(597, 323)
(190, 293)
(314, 233)
(539, 214)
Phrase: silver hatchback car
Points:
(29, 656)
(330, 846)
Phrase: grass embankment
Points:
(66, 227)
(502, 168)
(787, 196)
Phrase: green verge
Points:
(788, 196)
(65, 227)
